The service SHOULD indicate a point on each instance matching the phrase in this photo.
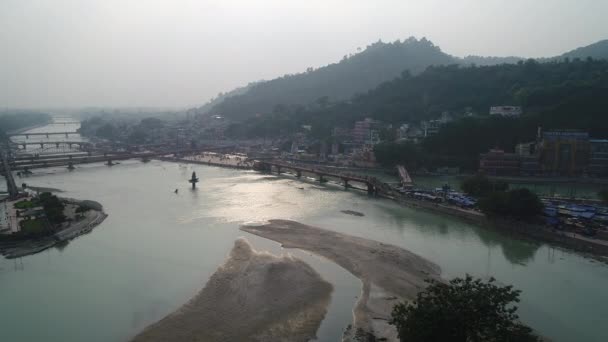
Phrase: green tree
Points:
(107, 131)
(603, 195)
(521, 204)
(481, 186)
(53, 207)
(391, 154)
(463, 310)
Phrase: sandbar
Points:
(389, 274)
(253, 296)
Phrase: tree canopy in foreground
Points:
(464, 309)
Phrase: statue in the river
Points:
(193, 180)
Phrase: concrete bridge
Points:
(373, 185)
(13, 191)
(406, 180)
(65, 123)
(27, 163)
(46, 134)
(80, 144)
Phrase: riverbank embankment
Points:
(526, 230)
(253, 296)
(389, 274)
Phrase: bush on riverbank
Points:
(464, 309)
(34, 228)
(481, 186)
(521, 204)
(603, 195)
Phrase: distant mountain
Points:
(597, 50)
(357, 74)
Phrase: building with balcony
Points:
(564, 152)
(499, 163)
(506, 110)
(598, 158)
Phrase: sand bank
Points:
(388, 273)
(252, 297)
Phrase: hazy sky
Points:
(179, 53)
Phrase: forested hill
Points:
(568, 94)
(358, 73)
(597, 50)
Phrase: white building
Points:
(431, 127)
(506, 110)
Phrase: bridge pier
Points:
(71, 166)
(278, 170)
(193, 180)
(321, 179)
(345, 183)
(298, 174)
(109, 163)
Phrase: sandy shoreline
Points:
(389, 274)
(253, 296)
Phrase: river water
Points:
(156, 249)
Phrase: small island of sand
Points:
(389, 274)
(253, 296)
(256, 296)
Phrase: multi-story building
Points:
(598, 158)
(506, 110)
(431, 127)
(529, 158)
(497, 162)
(564, 153)
(365, 131)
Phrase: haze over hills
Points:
(379, 62)
(359, 73)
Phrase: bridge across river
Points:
(374, 186)
(80, 144)
(13, 191)
(27, 163)
(45, 134)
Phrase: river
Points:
(156, 249)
